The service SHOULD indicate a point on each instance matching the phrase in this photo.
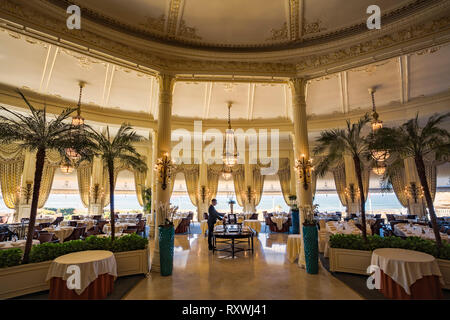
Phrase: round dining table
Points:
(406, 274)
(60, 232)
(82, 275)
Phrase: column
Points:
(301, 146)
(23, 210)
(163, 145)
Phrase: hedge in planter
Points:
(50, 251)
(356, 242)
(10, 257)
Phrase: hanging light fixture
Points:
(379, 169)
(230, 148)
(78, 120)
(227, 172)
(378, 155)
(66, 168)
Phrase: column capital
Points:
(166, 83)
(298, 86)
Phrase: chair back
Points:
(411, 216)
(97, 217)
(44, 225)
(92, 231)
(73, 223)
(205, 216)
(76, 234)
(101, 224)
(254, 216)
(130, 230)
(390, 217)
(140, 226)
(139, 216)
(76, 218)
(45, 237)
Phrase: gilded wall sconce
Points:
(164, 166)
(304, 168)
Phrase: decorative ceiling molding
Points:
(155, 24)
(294, 20)
(172, 21)
(279, 34)
(313, 27)
(187, 32)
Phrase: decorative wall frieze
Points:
(186, 31)
(313, 27)
(154, 24)
(279, 34)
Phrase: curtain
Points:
(257, 184)
(239, 183)
(84, 173)
(52, 162)
(284, 175)
(139, 183)
(339, 181)
(398, 185)
(313, 183)
(213, 174)
(191, 176)
(11, 168)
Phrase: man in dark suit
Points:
(213, 215)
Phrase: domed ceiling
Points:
(237, 24)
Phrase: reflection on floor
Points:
(198, 274)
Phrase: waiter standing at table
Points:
(213, 215)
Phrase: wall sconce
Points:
(250, 194)
(351, 192)
(304, 168)
(26, 192)
(204, 193)
(164, 166)
(414, 192)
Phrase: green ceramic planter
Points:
(166, 238)
(311, 243)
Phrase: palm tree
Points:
(411, 140)
(331, 147)
(113, 150)
(36, 132)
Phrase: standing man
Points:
(213, 215)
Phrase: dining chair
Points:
(76, 218)
(46, 237)
(76, 234)
(130, 230)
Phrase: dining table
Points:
(16, 244)
(402, 274)
(415, 230)
(119, 226)
(82, 275)
(60, 232)
(335, 227)
(293, 247)
(279, 221)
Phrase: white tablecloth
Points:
(60, 232)
(92, 263)
(279, 221)
(118, 226)
(204, 225)
(127, 215)
(44, 220)
(416, 231)
(17, 244)
(405, 267)
(254, 224)
(294, 246)
(88, 222)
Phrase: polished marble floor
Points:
(198, 274)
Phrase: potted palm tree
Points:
(412, 140)
(331, 147)
(38, 132)
(113, 150)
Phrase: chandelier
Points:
(379, 169)
(66, 168)
(78, 120)
(229, 148)
(227, 172)
(378, 155)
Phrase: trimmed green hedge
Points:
(356, 242)
(49, 251)
(10, 257)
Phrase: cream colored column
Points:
(412, 176)
(301, 143)
(29, 165)
(163, 146)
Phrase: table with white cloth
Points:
(294, 246)
(254, 224)
(415, 230)
(98, 270)
(406, 274)
(16, 244)
(117, 235)
(279, 221)
(176, 222)
(335, 227)
(44, 220)
(127, 215)
(118, 226)
(88, 222)
(60, 232)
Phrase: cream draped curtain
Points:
(11, 168)
(339, 181)
(430, 171)
(398, 185)
(84, 173)
(52, 162)
(191, 176)
(139, 183)
(257, 184)
(313, 183)
(239, 183)
(284, 175)
(213, 175)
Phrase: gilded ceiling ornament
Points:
(279, 34)
(84, 62)
(372, 68)
(428, 51)
(154, 24)
(294, 8)
(172, 20)
(187, 32)
(313, 27)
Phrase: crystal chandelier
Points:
(66, 168)
(379, 169)
(78, 120)
(378, 155)
(230, 149)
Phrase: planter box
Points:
(357, 262)
(349, 261)
(444, 266)
(30, 278)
